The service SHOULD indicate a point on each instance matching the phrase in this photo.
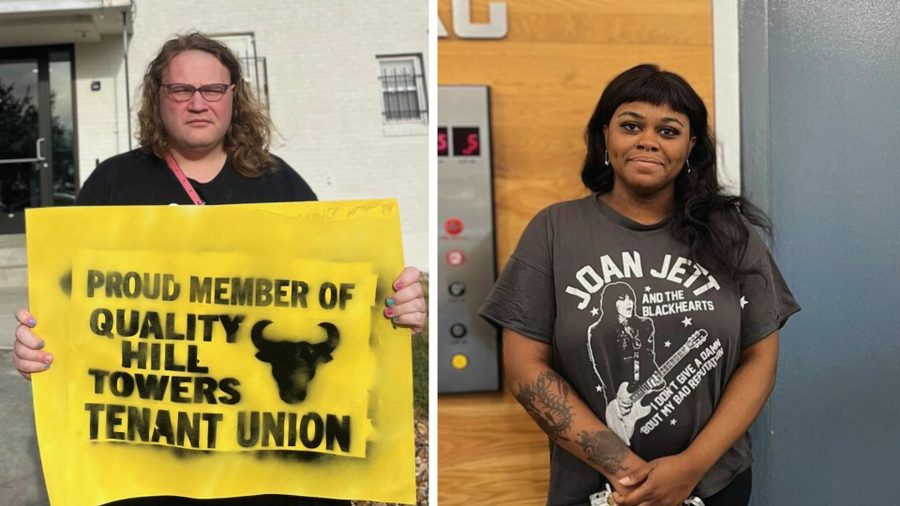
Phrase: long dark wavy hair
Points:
(247, 138)
(708, 221)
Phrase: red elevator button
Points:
(455, 258)
(453, 226)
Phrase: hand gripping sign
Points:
(221, 351)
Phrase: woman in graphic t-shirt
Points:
(641, 323)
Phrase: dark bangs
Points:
(643, 83)
(658, 88)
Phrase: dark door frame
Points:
(44, 166)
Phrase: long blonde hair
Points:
(247, 138)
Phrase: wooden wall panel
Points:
(545, 77)
(489, 452)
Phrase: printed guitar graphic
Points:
(623, 425)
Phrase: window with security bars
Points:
(253, 66)
(404, 98)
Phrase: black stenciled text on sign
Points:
(161, 360)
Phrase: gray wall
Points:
(820, 86)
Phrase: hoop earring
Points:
(606, 158)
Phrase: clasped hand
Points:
(667, 481)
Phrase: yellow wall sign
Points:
(220, 351)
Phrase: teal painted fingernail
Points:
(32, 322)
(396, 319)
(390, 301)
(46, 365)
(41, 345)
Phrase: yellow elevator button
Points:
(460, 361)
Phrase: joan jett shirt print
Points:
(644, 334)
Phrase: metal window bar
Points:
(400, 91)
(256, 73)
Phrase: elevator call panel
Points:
(468, 347)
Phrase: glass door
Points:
(37, 158)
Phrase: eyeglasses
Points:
(183, 92)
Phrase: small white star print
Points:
(594, 311)
(744, 302)
(673, 421)
(646, 288)
(667, 344)
(599, 388)
(687, 322)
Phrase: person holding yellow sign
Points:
(204, 140)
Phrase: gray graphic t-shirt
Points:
(635, 323)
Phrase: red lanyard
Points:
(192, 193)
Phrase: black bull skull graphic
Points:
(294, 363)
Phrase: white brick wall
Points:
(324, 96)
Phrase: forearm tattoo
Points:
(546, 401)
(604, 448)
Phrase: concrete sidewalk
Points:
(21, 480)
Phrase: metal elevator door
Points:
(821, 111)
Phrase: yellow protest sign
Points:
(220, 351)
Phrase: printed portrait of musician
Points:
(634, 336)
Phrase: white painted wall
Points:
(324, 95)
(727, 94)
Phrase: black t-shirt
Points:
(632, 319)
(137, 178)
